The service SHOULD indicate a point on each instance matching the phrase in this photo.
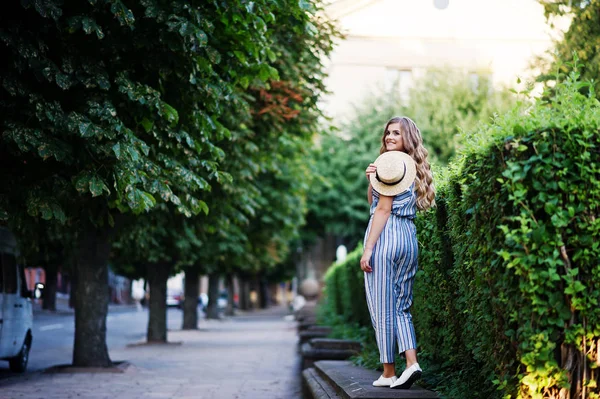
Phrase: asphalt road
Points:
(53, 335)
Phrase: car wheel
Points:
(18, 364)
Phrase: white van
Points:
(16, 313)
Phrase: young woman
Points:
(400, 183)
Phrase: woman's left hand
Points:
(365, 261)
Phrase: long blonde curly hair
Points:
(413, 146)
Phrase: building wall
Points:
(390, 40)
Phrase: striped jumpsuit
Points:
(389, 286)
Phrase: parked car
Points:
(16, 313)
(222, 300)
(175, 290)
(173, 297)
(203, 301)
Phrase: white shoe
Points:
(384, 382)
(408, 377)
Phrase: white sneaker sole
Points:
(408, 383)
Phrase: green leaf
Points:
(203, 207)
(82, 182)
(213, 55)
(267, 72)
(240, 56)
(63, 81)
(88, 25)
(304, 5)
(45, 211)
(133, 152)
(117, 150)
(171, 113)
(86, 129)
(123, 14)
(140, 201)
(147, 124)
(58, 213)
(97, 186)
(245, 82)
(202, 38)
(271, 55)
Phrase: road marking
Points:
(52, 327)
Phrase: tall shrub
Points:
(523, 206)
(345, 292)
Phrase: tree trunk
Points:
(263, 293)
(273, 289)
(244, 294)
(158, 274)
(91, 299)
(212, 311)
(190, 303)
(49, 296)
(229, 283)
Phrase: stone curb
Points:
(316, 387)
(350, 382)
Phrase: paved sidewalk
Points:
(248, 356)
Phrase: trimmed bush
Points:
(345, 292)
(523, 205)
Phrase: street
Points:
(252, 355)
(53, 335)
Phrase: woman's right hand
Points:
(370, 169)
(365, 260)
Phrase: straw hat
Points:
(396, 171)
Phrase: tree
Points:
(581, 38)
(270, 124)
(149, 249)
(87, 134)
(444, 102)
(254, 217)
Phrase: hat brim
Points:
(396, 157)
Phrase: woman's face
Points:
(393, 138)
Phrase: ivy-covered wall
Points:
(507, 296)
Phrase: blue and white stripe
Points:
(389, 286)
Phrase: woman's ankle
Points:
(389, 370)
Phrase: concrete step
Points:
(305, 325)
(313, 332)
(350, 381)
(327, 349)
(310, 354)
(315, 387)
(332, 343)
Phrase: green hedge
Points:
(345, 292)
(507, 298)
(523, 204)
